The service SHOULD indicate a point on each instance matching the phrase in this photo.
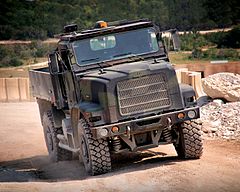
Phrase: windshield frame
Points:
(132, 55)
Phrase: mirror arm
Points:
(53, 63)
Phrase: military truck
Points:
(112, 89)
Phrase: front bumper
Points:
(145, 124)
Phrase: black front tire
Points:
(189, 144)
(50, 133)
(94, 153)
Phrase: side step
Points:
(63, 144)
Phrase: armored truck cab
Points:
(112, 89)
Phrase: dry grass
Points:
(21, 71)
(179, 58)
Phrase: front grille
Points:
(142, 94)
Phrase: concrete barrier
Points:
(14, 90)
(191, 78)
(3, 90)
(17, 89)
(179, 73)
(24, 92)
(207, 69)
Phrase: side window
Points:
(105, 42)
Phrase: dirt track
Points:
(24, 165)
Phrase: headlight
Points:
(103, 132)
(191, 114)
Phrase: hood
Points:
(101, 87)
(134, 69)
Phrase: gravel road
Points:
(24, 164)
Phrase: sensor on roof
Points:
(70, 28)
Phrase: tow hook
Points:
(169, 123)
(128, 131)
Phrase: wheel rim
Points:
(85, 154)
(49, 140)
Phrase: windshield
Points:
(114, 46)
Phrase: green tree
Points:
(39, 19)
(222, 13)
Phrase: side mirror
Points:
(171, 40)
(175, 40)
(53, 63)
(159, 36)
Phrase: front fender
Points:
(88, 111)
(93, 113)
(188, 95)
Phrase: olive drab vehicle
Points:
(112, 89)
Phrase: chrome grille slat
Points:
(131, 95)
(140, 86)
(137, 100)
(143, 94)
(136, 83)
(142, 108)
(153, 88)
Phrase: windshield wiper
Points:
(122, 54)
(97, 63)
(129, 55)
(92, 59)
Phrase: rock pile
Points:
(222, 85)
(221, 120)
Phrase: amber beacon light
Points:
(101, 24)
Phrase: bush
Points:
(14, 55)
(230, 39)
(197, 54)
(27, 33)
(15, 62)
(216, 38)
(40, 49)
(9, 61)
(191, 41)
(214, 53)
(3, 53)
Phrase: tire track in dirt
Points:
(25, 166)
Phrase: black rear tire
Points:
(94, 153)
(189, 144)
(50, 133)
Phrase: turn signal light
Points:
(115, 129)
(181, 115)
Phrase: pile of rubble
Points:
(221, 120)
(222, 85)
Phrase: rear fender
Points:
(58, 115)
